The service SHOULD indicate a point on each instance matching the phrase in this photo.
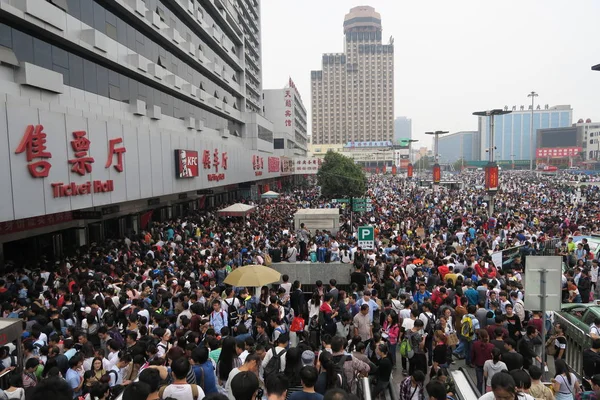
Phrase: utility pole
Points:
(533, 95)
(492, 177)
(437, 172)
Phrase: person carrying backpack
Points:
(180, 389)
(429, 322)
(274, 361)
(232, 305)
(469, 325)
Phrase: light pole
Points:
(533, 95)
(437, 172)
(410, 169)
(512, 158)
(491, 171)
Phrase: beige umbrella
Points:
(252, 276)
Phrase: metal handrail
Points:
(465, 387)
(366, 388)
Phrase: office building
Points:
(402, 128)
(117, 112)
(458, 145)
(512, 131)
(589, 132)
(285, 109)
(352, 97)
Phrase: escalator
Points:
(465, 387)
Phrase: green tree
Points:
(458, 164)
(340, 177)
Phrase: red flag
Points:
(201, 202)
(145, 219)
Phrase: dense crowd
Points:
(148, 316)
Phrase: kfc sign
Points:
(186, 163)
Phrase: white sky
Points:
(452, 57)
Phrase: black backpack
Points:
(232, 313)
(430, 325)
(339, 370)
(274, 364)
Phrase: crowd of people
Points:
(148, 316)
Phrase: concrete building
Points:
(116, 112)
(402, 128)
(589, 132)
(285, 109)
(459, 145)
(352, 97)
(512, 131)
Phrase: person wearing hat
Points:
(308, 358)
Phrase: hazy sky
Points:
(451, 57)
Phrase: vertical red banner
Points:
(409, 171)
(491, 177)
(394, 170)
(437, 173)
(384, 169)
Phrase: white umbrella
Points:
(270, 195)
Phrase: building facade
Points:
(590, 133)
(117, 112)
(285, 109)
(458, 145)
(402, 128)
(513, 131)
(352, 97)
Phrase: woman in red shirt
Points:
(391, 331)
(481, 351)
(328, 315)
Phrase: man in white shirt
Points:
(252, 364)
(180, 389)
(282, 342)
(116, 372)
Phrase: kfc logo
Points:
(186, 162)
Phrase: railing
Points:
(577, 341)
(363, 389)
(465, 387)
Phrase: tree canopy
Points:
(340, 177)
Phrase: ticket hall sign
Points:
(39, 161)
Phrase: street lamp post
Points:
(533, 95)
(512, 158)
(410, 169)
(437, 172)
(491, 170)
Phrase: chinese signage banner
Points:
(559, 152)
(274, 164)
(186, 163)
(362, 145)
(307, 166)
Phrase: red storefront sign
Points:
(20, 225)
(437, 173)
(257, 165)
(217, 160)
(186, 163)
(558, 152)
(33, 144)
(274, 164)
(409, 170)
(491, 178)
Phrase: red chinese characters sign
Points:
(257, 165)
(287, 111)
(558, 152)
(33, 144)
(274, 164)
(491, 178)
(20, 225)
(215, 160)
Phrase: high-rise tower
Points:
(353, 94)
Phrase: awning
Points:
(236, 210)
(270, 195)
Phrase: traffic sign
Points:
(340, 201)
(366, 237)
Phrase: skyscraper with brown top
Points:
(353, 95)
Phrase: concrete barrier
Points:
(309, 273)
